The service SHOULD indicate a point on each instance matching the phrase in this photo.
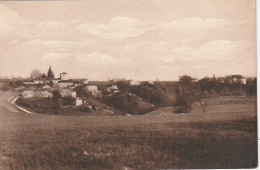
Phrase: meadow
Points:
(223, 137)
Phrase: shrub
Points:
(56, 100)
(38, 105)
(83, 92)
(183, 105)
(84, 108)
(19, 83)
(127, 103)
(69, 101)
(153, 94)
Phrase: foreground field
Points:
(224, 137)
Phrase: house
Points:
(113, 89)
(46, 87)
(43, 94)
(41, 81)
(19, 88)
(151, 82)
(65, 83)
(92, 88)
(55, 81)
(79, 101)
(67, 93)
(28, 83)
(194, 80)
(76, 84)
(85, 81)
(64, 76)
(221, 79)
(243, 80)
(238, 78)
(134, 83)
(31, 93)
(27, 94)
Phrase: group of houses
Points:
(44, 87)
(232, 79)
(63, 84)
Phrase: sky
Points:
(139, 40)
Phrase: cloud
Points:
(48, 24)
(118, 27)
(12, 24)
(96, 58)
(219, 50)
(125, 42)
(149, 50)
(194, 22)
(57, 56)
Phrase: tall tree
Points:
(185, 94)
(50, 73)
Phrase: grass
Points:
(155, 141)
(44, 106)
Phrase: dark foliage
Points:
(44, 75)
(50, 73)
(19, 83)
(185, 94)
(84, 108)
(127, 104)
(251, 86)
(83, 92)
(154, 94)
(68, 101)
(38, 105)
(57, 103)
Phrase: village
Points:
(116, 94)
(63, 84)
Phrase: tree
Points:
(43, 75)
(56, 99)
(203, 98)
(50, 73)
(185, 94)
(251, 86)
(35, 74)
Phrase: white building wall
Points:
(78, 102)
(65, 84)
(64, 76)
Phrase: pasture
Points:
(223, 137)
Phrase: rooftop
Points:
(69, 81)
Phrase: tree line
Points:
(189, 91)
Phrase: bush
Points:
(152, 94)
(69, 101)
(38, 105)
(84, 108)
(56, 102)
(127, 104)
(19, 83)
(183, 105)
(83, 92)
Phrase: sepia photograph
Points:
(128, 84)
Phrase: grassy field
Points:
(224, 137)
